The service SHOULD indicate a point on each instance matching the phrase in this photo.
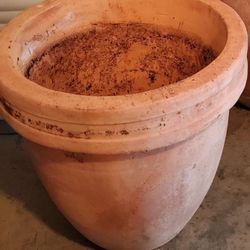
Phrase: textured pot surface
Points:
(135, 201)
(127, 171)
(243, 9)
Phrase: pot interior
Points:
(60, 19)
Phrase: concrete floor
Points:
(30, 221)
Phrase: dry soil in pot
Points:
(118, 59)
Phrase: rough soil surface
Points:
(118, 59)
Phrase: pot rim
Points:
(123, 124)
(200, 85)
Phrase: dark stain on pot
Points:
(16, 114)
(22, 118)
(7, 107)
(38, 123)
(124, 132)
(76, 156)
(49, 126)
(89, 133)
(109, 133)
(118, 59)
(54, 127)
(75, 135)
(60, 130)
(71, 135)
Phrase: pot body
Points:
(134, 201)
(243, 9)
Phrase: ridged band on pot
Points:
(120, 124)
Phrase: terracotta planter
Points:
(127, 171)
(243, 9)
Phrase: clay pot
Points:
(243, 9)
(127, 171)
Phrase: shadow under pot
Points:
(125, 134)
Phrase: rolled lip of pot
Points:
(192, 103)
